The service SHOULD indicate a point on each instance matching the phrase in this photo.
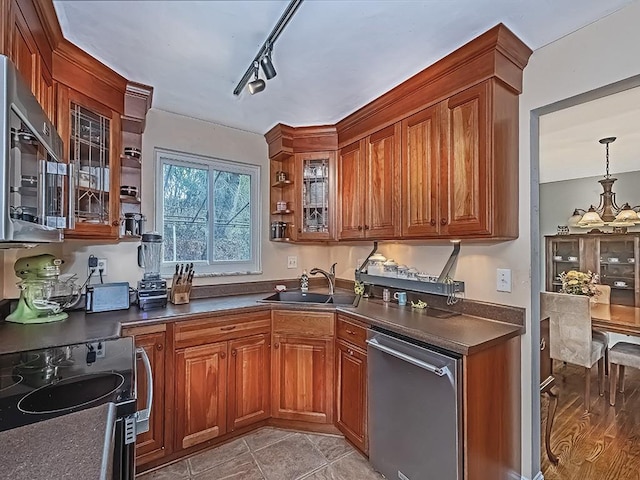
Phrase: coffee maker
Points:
(152, 290)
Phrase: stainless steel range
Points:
(37, 385)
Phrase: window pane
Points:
(231, 216)
(186, 213)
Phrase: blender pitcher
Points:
(150, 255)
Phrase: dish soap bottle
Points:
(304, 282)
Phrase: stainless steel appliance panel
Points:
(35, 191)
(414, 418)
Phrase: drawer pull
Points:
(159, 347)
(350, 352)
(276, 345)
(234, 352)
(223, 355)
(226, 329)
(350, 332)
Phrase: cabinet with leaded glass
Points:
(315, 172)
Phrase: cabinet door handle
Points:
(366, 227)
(350, 332)
(116, 223)
(443, 221)
(234, 352)
(159, 347)
(223, 355)
(432, 222)
(276, 345)
(299, 230)
(543, 344)
(350, 352)
(359, 228)
(226, 329)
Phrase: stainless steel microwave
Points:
(36, 197)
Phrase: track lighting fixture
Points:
(263, 58)
(257, 85)
(267, 66)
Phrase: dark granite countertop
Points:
(462, 334)
(77, 445)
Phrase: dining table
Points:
(616, 318)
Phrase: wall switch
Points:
(503, 281)
(292, 261)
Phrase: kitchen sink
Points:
(297, 296)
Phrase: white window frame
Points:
(211, 268)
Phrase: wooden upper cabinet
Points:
(382, 201)
(249, 381)
(200, 386)
(369, 186)
(351, 193)
(422, 187)
(467, 173)
(22, 47)
(91, 135)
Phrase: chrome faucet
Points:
(330, 275)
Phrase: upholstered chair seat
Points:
(621, 355)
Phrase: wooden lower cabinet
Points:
(351, 393)
(201, 393)
(302, 373)
(249, 381)
(153, 444)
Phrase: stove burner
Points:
(8, 381)
(70, 393)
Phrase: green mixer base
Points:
(23, 314)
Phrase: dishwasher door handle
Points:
(142, 416)
(440, 371)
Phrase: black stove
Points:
(37, 385)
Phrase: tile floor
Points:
(273, 454)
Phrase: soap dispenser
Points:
(304, 282)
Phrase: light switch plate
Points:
(292, 261)
(503, 280)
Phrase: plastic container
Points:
(390, 269)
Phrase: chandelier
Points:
(607, 213)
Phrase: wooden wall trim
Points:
(284, 139)
(50, 23)
(77, 69)
(496, 53)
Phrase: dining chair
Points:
(603, 297)
(621, 355)
(570, 336)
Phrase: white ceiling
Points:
(333, 58)
(569, 146)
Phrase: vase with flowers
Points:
(579, 283)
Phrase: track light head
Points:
(267, 66)
(257, 84)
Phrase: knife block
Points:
(180, 294)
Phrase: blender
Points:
(152, 290)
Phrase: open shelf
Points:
(436, 288)
(282, 184)
(130, 162)
(129, 199)
(282, 212)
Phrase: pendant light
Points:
(257, 85)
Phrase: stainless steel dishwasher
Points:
(414, 415)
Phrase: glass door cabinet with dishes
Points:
(614, 257)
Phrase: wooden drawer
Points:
(351, 332)
(303, 323)
(217, 329)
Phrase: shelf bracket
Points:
(361, 268)
(452, 260)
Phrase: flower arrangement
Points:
(579, 283)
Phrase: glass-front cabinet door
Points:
(315, 192)
(563, 253)
(92, 138)
(617, 260)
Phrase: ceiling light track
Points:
(264, 54)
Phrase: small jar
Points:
(412, 274)
(376, 264)
(403, 271)
(390, 268)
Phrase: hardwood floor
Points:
(603, 444)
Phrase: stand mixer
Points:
(43, 293)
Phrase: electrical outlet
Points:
(292, 261)
(101, 263)
(98, 347)
(503, 280)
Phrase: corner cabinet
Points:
(302, 183)
(614, 257)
